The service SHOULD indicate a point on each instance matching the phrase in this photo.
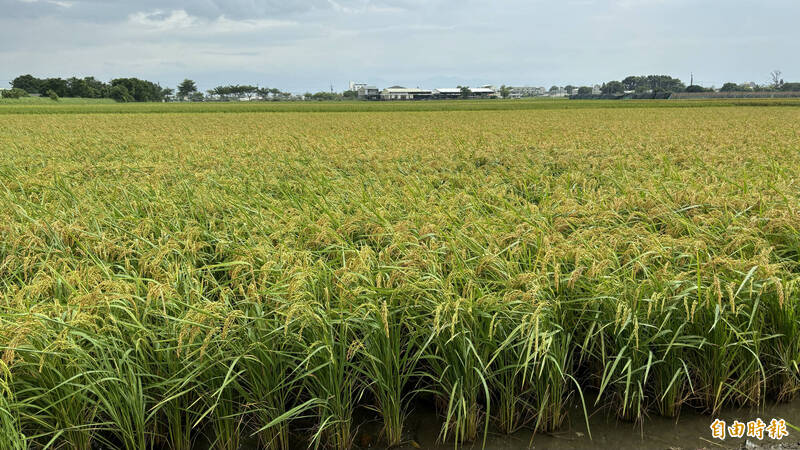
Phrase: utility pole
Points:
(691, 83)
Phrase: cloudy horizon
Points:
(309, 45)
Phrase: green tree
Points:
(140, 90)
(696, 88)
(27, 83)
(570, 89)
(790, 87)
(15, 93)
(729, 87)
(57, 85)
(465, 92)
(585, 90)
(264, 93)
(350, 94)
(612, 87)
(53, 95)
(121, 94)
(505, 91)
(634, 83)
(186, 88)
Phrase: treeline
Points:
(237, 91)
(752, 87)
(119, 89)
(663, 86)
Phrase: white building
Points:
(401, 93)
(526, 91)
(481, 92)
(356, 86)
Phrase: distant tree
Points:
(264, 93)
(775, 76)
(696, 88)
(27, 83)
(196, 97)
(350, 94)
(655, 83)
(633, 83)
(505, 91)
(53, 95)
(729, 87)
(570, 89)
(121, 94)
(57, 85)
(324, 96)
(186, 88)
(585, 90)
(167, 92)
(790, 87)
(140, 90)
(248, 91)
(465, 92)
(612, 87)
(15, 93)
(553, 89)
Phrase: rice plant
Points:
(274, 271)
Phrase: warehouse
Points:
(482, 92)
(401, 93)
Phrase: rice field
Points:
(177, 278)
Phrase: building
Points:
(447, 93)
(597, 90)
(369, 93)
(452, 93)
(483, 92)
(401, 93)
(356, 86)
(526, 91)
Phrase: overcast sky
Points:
(305, 45)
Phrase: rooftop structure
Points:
(401, 93)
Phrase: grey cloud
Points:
(306, 44)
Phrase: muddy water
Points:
(690, 431)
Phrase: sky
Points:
(309, 45)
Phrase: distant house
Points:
(447, 93)
(526, 91)
(368, 93)
(481, 92)
(401, 93)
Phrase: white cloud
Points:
(180, 20)
(159, 20)
(61, 3)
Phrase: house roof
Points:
(458, 90)
(393, 90)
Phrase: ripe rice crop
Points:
(171, 279)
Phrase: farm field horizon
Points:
(178, 274)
